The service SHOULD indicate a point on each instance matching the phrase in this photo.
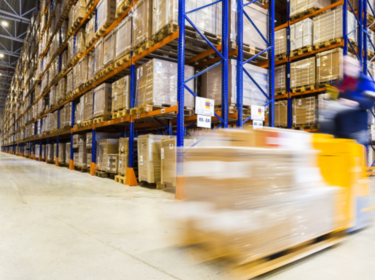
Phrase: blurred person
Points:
(347, 117)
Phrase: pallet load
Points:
(280, 80)
(160, 88)
(280, 43)
(37, 151)
(102, 102)
(82, 153)
(329, 66)
(50, 154)
(83, 71)
(109, 45)
(328, 28)
(54, 152)
(302, 75)
(120, 97)
(123, 156)
(80, 42)
(304, 112)
(301, 37)
(299, 8)
(90, 31)
(281, 113)
(112, 163)
(106, 147)
(211, 85)
(259, 16)
(61, 153)
(105, 14)
(142, 26)
(88, 101)
(69, 82)
(67, 153)
(149, 158)
(99, 56)
(123, 40)
(168, 156)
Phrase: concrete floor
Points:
(60, 224)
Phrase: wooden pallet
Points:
(116, 114)
(103, 174)
(280, 57)
(86, 123)
(120, 179)
(280, 92)
(164, 32)
(302, 14)
(101, 119)
(328, 43)
(145, 109)
(123, 7)
(303, 88)
(81, 168)
(305, 126)
(301, 51)
(123, 59)
(143, 46)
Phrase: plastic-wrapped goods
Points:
(112, 163)
(103, 100)
(105, 13)
(329, 66)
(88, 105)
(75, 158)
(82, 153)
(328, 26)
(54, 152)
(302, 73)
(76, 76)
(70, 49)
(301, 6)
(211, 84)
(168, 156)
(62, 117)
(123, 145)
(45, 81)
(79, 10)
(149, 157)
(89, 140)
(43, 152)
(142, 22)
(301, 34)
(109, 44)
(120, 93)
(64, 60)
(61, 153)
(280, 41)
(157, 84)
(123, 37)
(281, 113)
(80, 110)
(67, 153)
(80, 42)
(122, 164)
(37, 150)
(165, 12)
(251, 37)
(62, 88)
(90, 31)
(304, 111)
(50, 153)
(52, 97)
(90, 66)
(69, 82)
(106, 147)
(280, 78)
(99, 56)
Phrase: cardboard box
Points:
(168, 162)
(106, 147)
(121, 93)
(123, 37)
(142, 22)
(302, 73)
(106, 13)
(280, 78)
(62, 153)
(329, 66)
(103, 100)
(109, 42)
(99, 56)
(112, 163)
(304, 110)
(281, 113)
(300, 6)
(280, 41)
(88, 100)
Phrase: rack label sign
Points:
(257, 113)
(204, 121)
(204, 106)
(257, 124)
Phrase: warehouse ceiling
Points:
(14, 19)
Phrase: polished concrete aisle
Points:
(60, 224)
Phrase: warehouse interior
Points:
(187, 139)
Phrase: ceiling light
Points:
(1, 55)
(4, 23)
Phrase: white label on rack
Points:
(204, 121)
(140, 160)
(204, 106)
(163, 110)
(171, 146)
(158, 67)
(138, 73)
(318, 62)
(257, 124)
(162, 153)
(257, 113)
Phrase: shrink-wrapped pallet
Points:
(123, 37)
(109, 44)
(211, 84)
(281, 113)
(157, 84)
(89, 140)
(298, 7)
(122, 164)
(304, 111)
(329, 66)
(302, 73)
(251, 37)
(149, 157)
(45, 81)
(79, 10)
(165, 12)
(99, 56)
(103, 100)
(142, 22)
(280, 78)
(67, 153)
(106, 13)
(63, 117)
(88, 105)
(90, 66)
(61, 153)
(76, 76)
(68, 114)
(62, 87)
(112, 163)
(77, 138)
(168, 156)
(106, 147)
(120, 93)
(80, 42)
(70, 49)
(82, 153)
(90, 30)
(329, 26)
(69, 82)
(280, 41)
(80, 110)
(301, 34)
(50, 154)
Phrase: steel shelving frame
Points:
(181, 121)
